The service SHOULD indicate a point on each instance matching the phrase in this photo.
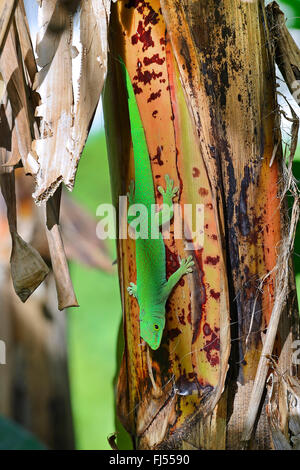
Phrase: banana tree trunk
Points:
(204, 78)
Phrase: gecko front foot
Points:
(186, 265)
(170, 192)
(132, 289)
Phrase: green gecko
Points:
(152, 289)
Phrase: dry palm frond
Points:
(286, 51)
(27, 267)
(283, 398)
(22, 119)
(7, 9)
(64, 122)
(43, 126)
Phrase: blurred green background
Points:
(93, 329)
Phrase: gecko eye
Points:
(156, 327)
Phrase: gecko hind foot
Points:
(132, 289)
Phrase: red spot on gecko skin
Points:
(196, 172)
(154, 96)
(212, 260)
(155, 59)
(214, 237)
(215, 295)
(163, 41)
(154, 114)
(209, 206)
(203, 192)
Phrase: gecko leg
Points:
(132, 289)
(185, 268)
(167, 212)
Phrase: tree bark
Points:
(204, 78)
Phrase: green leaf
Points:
(14, 437)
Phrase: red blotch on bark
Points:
(203, 192)
(155, 59)
(207, 329)
(213, 344)
(212, 260)
(215, 295)
(174, 333)
(144, 36)
(158, 155)
(181, 317)
(137, 90)
(196, 172)
(154, 96)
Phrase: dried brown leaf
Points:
(21, 123)
(65, 291)
(28, 269)
(287, 54)
(54, 84)
(65, 124)
(7, 9)
(283, 398)
(2, 87)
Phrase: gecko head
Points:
(151, 328)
